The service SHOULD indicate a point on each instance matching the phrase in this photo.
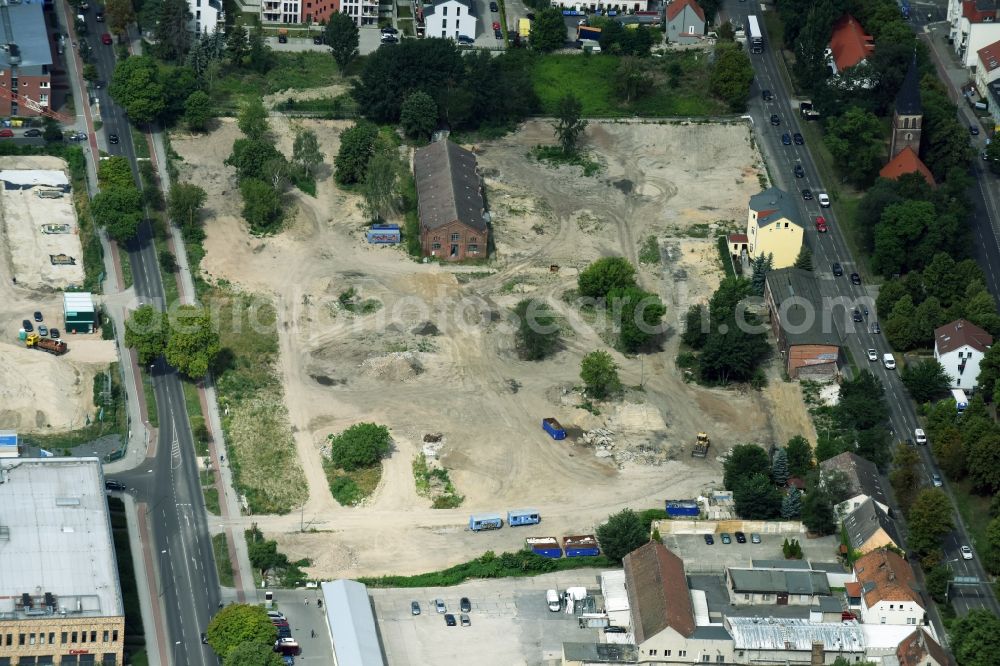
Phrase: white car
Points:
(872, 355)
(919, 435)
(966, 553)
(824, 200)
(936, 480)
(889, 361)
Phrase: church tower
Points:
(908, 116)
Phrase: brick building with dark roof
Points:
(806, 335)
(907, 115)
(450, 202)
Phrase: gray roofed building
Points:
(751, 586)
(791, 635)
(869, 527)
(23, 25)
(352, 623)
(781, 564)
(828, 605)
(908, 98)
(799, 301)
(863, 479)
(772, 205)
(450, 201)
(600, 653)
(711, 632)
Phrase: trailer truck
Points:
(961, 400)
(35, 341)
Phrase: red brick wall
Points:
(443, 238)
(28, 86)
(319, 10)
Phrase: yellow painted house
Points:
(773, 227)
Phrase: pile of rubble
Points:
(601, 440)
(433, 442)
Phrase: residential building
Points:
(604, 5)
(908, 115)
(739, 245)
(974, 24)
(280, 11)
(801, 323)
(780, 640)
(206, 16)
(987, 67)
(60, 597)
(450, 202)
(663, 622)
(849, 44)
(364, 12)
(769, 586)
(888, 589)
(863, 481)
(919, 649)
(351, 622)
(869, 528)
(959, 347)
(449, 19)
(994, 105)
(906, 161)
(773, 227)
(685, 22)
(25, 60)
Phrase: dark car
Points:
(909, 441)
(33, 132)
(389, 39)
(99, 17)
(876, 328)
(319, 39)
(612, 629)
(786, 139)
(838, 270)
(766, 95)
(112, 138)
(725, 538)
(973, 130)
(284, 631)
(709, 540)
(856, 315)
(449, 619)
(389, 30)
(112, 484)
(282, 39)
(54, 333)
(204, 638)
(498, 33)
(807, 194)
(530, 16)
(465, 39)
(741, 537)
(38, 316)
(43, 330)
(797, 138)
(855, 278)
(799, 171)
(27, 325)
(414, 608)
(98, 85)
(465, 605)
(775, 120)
(494, 7)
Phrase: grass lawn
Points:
(147, 392)
(974, 509)
(126, 264)
(212, 501)
(193, 403)
(350, 488)
(220, 547)
(591, 78)
(296, 71)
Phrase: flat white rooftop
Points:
(55, 537)
(773, 633)
(32, 177)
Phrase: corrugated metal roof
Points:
(613, 591)
(767, 633)
(352, 623)
(78, 301)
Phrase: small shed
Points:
(8, 444)
(79, 313)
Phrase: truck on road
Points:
(961, 400)
(524, 28)
(35, 341)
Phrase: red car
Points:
(6, 133)
(496, 25)
(821, 225)
(106, 39)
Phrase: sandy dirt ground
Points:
(40, 392)
(439, 356)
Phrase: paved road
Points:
(188, 588)
(829, 248)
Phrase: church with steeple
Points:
(907, 119)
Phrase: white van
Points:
(553, 600)
(888, 361)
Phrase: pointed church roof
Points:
(908, 97)
(906, 161)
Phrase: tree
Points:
(929, 520)
(992, 155)
(119, 210)
(136, 87)
(419, 115)
(731, 354)
(600, 375)
(361, 445)
(901, 237)
(193, 342)
(252, 119)
(638, 315)
(146, 332)
(817, 512)
(237, 44)
(115, 171)
(792, 550)
(731, 76)
(261, 205)
(760, 265)
(537, 331)
(120, 14)
(756, 498)
(631, 79)
(926, 380)
(52, 132)
(254, 158)
(905, 476)
(695, 332)
(975, 638)
(184, 206)
(983, 460)
(253, 654)
(239, 624)
(569, 125)
(804, 260)
(343, 37)
(548, 31)
(991, 549)
(305, 151)
(357, 144)
(779, 467)
(198, 111)
(800, 456)
(261, 58)
(621, 534)
(605, 275)
(264, 555)
(855, 141)
(791, 504)
(170, 32)
(744, 461)
(381, 185)
(989, 366)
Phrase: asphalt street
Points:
(187, 582)
(841, 294)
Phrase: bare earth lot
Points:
(438, 356)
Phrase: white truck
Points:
(889, 361)
(554, 601)
(961, 401)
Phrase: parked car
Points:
(872, 355)
(799, 171)
(439, 606)
(34, 131)
(275, 615)
(389, 30)
(496, 25)
(494, 7)
(936, 480)
(741, 537)
(821, 224)
(449, 619)
(786, 139)
(807, 194)
(54, 333)
(6, 133)
(966, 553)
(855, 279)
(282, 39)
(725, 538)
(824, 200)
(919, 435)
(466, 622)
(465, 39)
(38, 316)
(287, 646)
(465, 605)
(388, 38)
(27, 325)
(973, 130)
(838, 270)
(414, 608)
(797, 138)
(99, 17)
(318, 39)
(612, 629)
(113, 484)
(498, 34)
(709, 540)
(106, 39)
(775, 120)
(754, 537)
(43, 330)
(204, 638)
(78, 136)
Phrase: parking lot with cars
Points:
(698, 555)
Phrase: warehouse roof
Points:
(828, 605)
(768, 633)
(775, 581)
(613, 591)
(352, 623)
(448, 187)
(56, 536)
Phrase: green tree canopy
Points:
(744, 461)
(991, 549)
(855, 139)
(198, 111)
(779, 467)
(184, 206)
(253, 158)
(146, 332)
(538, 332)
(357, 144)
(817, 512)
(905, 476)
(605, 275)
(756, 498)
(361, 445)
(305, 151)
(261, 205)
(381, 184)
(800, 456)
(240, 624)
(600, 375)
(115, 171)
(252, 119)
(791, 504)
(569, 124)
(343, 37)
(925, 380)
(119, 210)
(731, 76)
(120, 14)
(621, 534)
(419, 115)
(253, 654)
(975, 638)
(548, 30)
(171, 36)
(640, 316)
(193, 343)
(135, 85)
(695, 321)
(929, 520)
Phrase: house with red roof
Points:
(906, 161)
(974, 24)
(685, 22)
(849, 44)
(959, 347)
